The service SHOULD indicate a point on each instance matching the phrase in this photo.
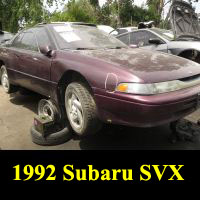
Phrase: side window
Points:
(141, 38)
(148, 35)
(17, 41)
(124, 38)
(42, 36)
(29, 42)
(134, 38)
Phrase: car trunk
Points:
(184, 20)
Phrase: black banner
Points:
(99, 167)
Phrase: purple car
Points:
(92, 77)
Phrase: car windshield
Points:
(81, 37)
(164, 33)
(5, 37)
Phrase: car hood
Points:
(149, 66)
(184, 20)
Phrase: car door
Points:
(12, 58)
(141, 38)
(33, 67)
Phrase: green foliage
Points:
(76, 11)
(19, 13)
(114, 12)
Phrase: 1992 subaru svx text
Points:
(93, 78)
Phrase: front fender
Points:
(179, 47)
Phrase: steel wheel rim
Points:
(45, 110)
(75, 111)
(5, 81)
(48, 112)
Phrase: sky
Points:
(136, 2)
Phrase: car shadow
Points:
(126, 138)
(29, 100)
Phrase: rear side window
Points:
(137, 38)
(29, 42)
(124, 38)
(141, 38)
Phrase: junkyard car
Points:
(183, 40)
(95, 78)
(120, 31)
(5, 36)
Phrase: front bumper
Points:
(146, 111)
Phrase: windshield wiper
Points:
(83, 48)
(115, 47)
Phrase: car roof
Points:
(72, 23)
(142, 29)
(132, 31)
(129, 28)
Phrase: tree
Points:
(80, 10)
(94, 3)
(14, 14)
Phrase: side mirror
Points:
(133, 46)
(155, 41)
(46, 50)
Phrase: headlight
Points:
(153, 88)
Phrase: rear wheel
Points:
(8, 88)
(81, 109)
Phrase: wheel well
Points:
(67, 78)
(186, 54)
(191, 54)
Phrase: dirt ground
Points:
(16, 117)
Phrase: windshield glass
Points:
(164, 33)
(5, 36)
(82, 37)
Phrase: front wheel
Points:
(81, 109)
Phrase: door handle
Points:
(36, 59)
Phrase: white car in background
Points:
(120, 31)
(107, 29)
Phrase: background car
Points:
(119, 31)
(107, 29)
(92, 77)
(183, 40)
(5, 36)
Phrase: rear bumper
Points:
(146, 111)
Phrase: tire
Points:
(8, 88)
(81, 109)
(51, 140)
